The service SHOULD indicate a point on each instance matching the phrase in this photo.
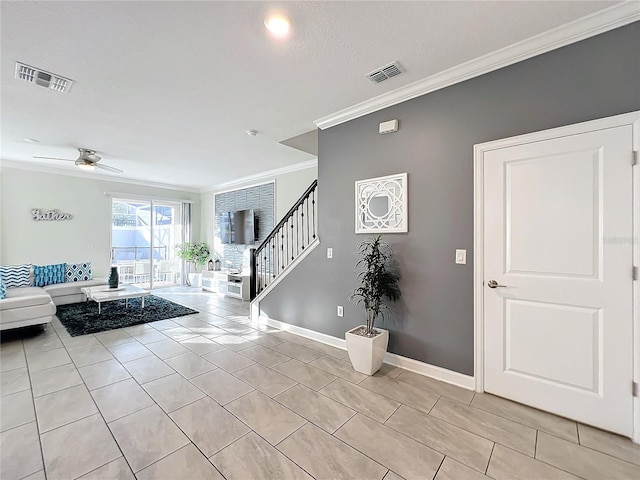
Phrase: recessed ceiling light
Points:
(278, 24)
(31, 140)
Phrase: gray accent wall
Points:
(260, 198)
(433, 323)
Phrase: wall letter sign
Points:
(49, 215)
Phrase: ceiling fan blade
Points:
(93, 157)
(108, 168)
(54, 158)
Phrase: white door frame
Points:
(633, 119)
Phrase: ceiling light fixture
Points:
(278, 24)
(252, 133)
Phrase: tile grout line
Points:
(310, 366)
(345, 422)
(166, 413)
(434, 406)
(251, 430)
(101, 416)
(613, 457)
(331, 373)
(396, 400)
(355, 448)
(35, 413)
(313, 366)
(519, 422)
(206, 396)
(489, 459)
(440, 466)
(130, 413)
(436, 449)
(392, 414)
(275, 447)
(469, 431)
(545, 463)
(33, 402)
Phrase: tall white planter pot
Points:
(195, 279)
(366, 354)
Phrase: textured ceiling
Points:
(167, 90)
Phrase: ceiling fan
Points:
(88, 160)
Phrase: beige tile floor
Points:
(211, 396)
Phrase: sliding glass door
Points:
(167, 233)
(144, 234)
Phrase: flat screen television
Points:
(238, 228)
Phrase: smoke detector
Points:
(43, 78)
(384, 73)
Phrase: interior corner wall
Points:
(86, 237)
(594, 78)
(288, 188)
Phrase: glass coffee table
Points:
(105, 294)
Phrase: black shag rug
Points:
(83, 318)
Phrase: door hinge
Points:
(634, 158)
(635, 389)
(634, 273)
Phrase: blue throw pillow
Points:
(15, 276)
(3, 289)
(49, 274)
(78, 272)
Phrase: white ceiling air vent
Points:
(383, 73)
(44, 79)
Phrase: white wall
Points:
(86, 237)
(289, 187)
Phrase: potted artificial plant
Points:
(378, 278)
(195, 254)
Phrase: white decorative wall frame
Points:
(381, 205)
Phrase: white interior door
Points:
(558, 327)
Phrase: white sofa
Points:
(63, 293)
(24, 306)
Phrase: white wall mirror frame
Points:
(381, 205)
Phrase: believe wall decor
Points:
(381, 205)
(49, 215)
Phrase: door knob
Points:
(494, 284)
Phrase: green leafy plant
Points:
(378, 276)
(194, 253)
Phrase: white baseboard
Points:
(437, 373)
(433, 371)
(305, 332)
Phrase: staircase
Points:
(289, 242)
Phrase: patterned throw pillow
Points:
(78, 272)
(3, 289)
(49, 274)
(15, 276)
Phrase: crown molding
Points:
(586, 27)
(261, 176)
(34, 167)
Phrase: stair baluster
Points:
(285, 242)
